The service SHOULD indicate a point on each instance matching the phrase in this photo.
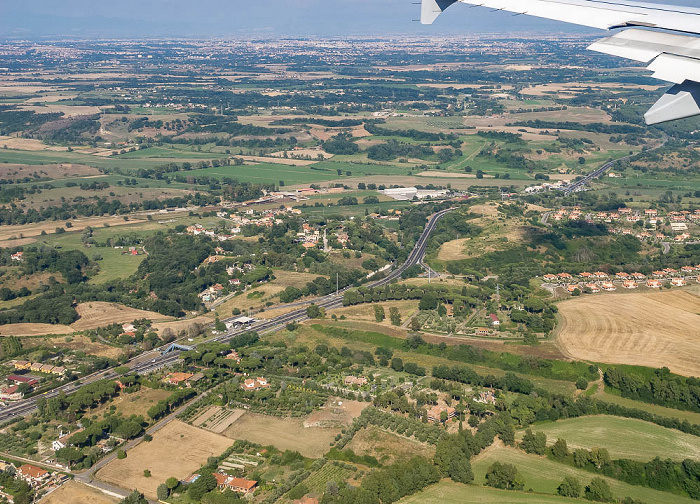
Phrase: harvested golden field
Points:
(78, 493)
(30, 329)
(12, 232)
(388, 447)
(282, 433)
(365, 312)
(293, 278)
(650, 329)
(83, 344)
(15, 171)
(178, 449)
(452, 250)
(98, 314)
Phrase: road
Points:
(154, 360)
(580, 184)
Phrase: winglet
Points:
(431, 9)
(681, 101)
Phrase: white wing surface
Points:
(662, 36)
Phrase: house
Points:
(233, 355)
(650, 212)
(622, 276)
(482, 331)
(176, 378)
(240, 485)
(22, 379)
(565, 277)
(485, 397)
(659, 274)
(22, 364)
(355, 380)
(551, 278)
(47, 368)
(10, 393)
(33, 475)
(601, 275)
(436, 411)
(36, 366)
(57, 444)
(128, 327)
(639, 276)
(585, 275)
(593, 288)
(678, 282)
(254, 384)
(17, 256)
(494, 319)
(653, 284)
(688, 270)
(573, 287)
(630, 284)
(58, 370)
(608, 286)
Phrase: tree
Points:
(397, 364)
(598, 490)
(428, 302)
(162, 492)
(460, 469)
(534, 443)
(146, 473)
(172, 483)
(415, 324)
(134, 497)
(581, 383)
(315, 312)
(504, 476)
(560, 450)
(395, 316)
(205, 483)
(570, 487)
(219, 325)
(379, 314)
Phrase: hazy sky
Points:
(236, 18)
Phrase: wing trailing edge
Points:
(673, 55)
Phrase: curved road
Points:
(151, 361)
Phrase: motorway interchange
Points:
(154, 360)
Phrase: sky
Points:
(36, 19)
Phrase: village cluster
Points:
(599, 280)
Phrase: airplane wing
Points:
(661, 36)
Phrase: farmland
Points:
(448, 492)
(654, 329)
(78, 493)
(623, 438)
(388, 447)
(282, 433)
(193, 446)
(543, 475)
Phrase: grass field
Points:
(622, 437)
(651, 408)
(282, 433)
(135, 403)
(77, 493)
(177, 450)
(449, 492)
(388, 447)
(649, 329)
(544, 476)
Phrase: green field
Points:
(544, 475)
(316, 483)
(623, 437)
(651, 408)
(449, 492)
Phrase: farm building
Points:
(436, 411)
(494, 319)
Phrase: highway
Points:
(154, 360)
